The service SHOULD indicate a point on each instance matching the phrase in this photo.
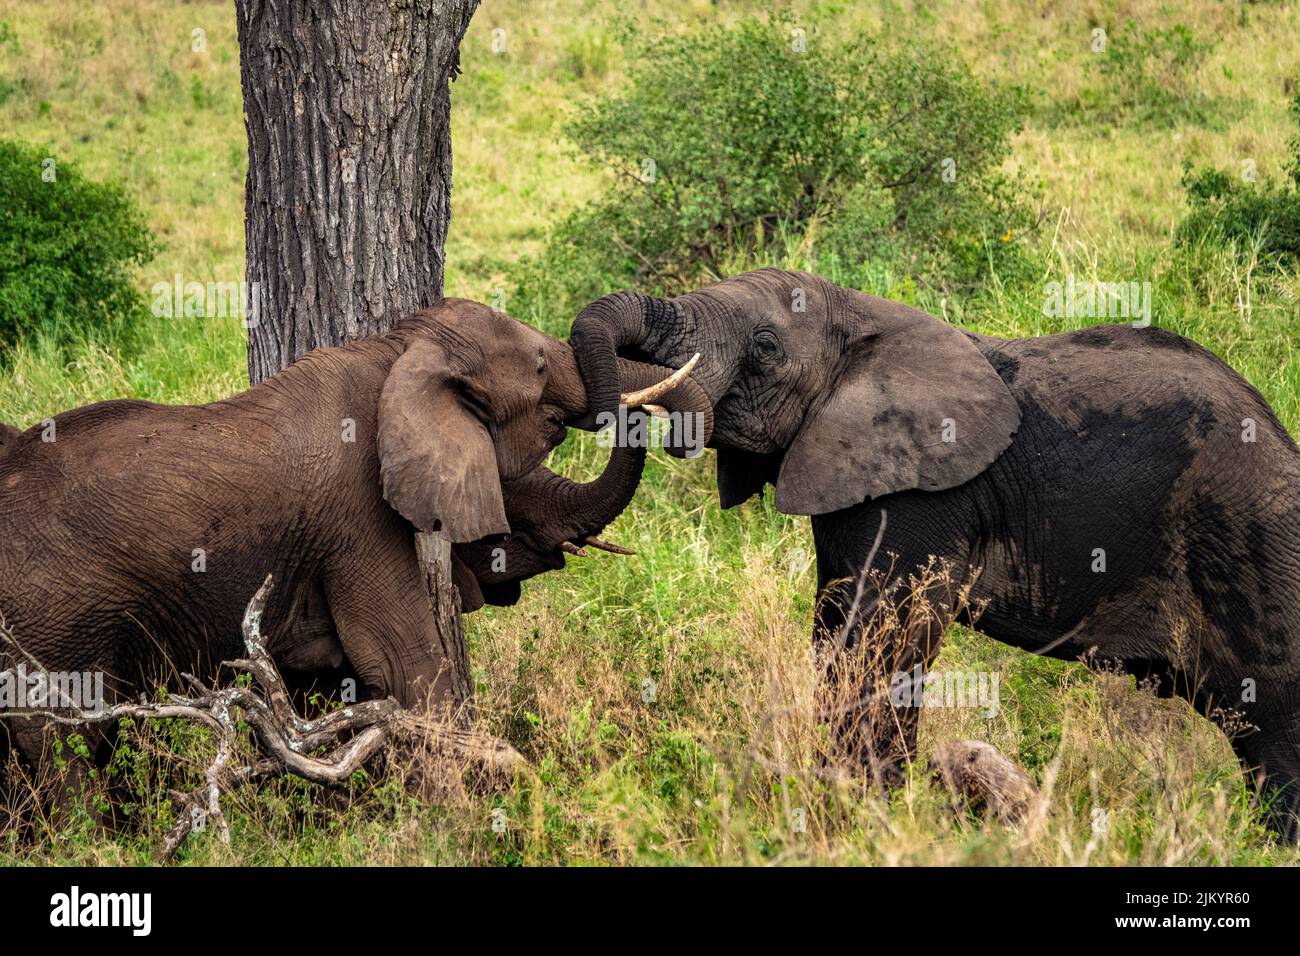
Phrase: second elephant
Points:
(1113, 490)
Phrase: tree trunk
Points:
(433, 552)
(347, 108)
(348, 197)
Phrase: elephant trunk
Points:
(688, 406)
(550, 510)
(555, 509)
(662, 331)
(600, 330)
(587, 507)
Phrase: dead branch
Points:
(326, 750)
(981, 777)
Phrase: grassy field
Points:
(716, 607)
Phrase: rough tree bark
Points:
(347, 108)
(433, 552)
(348, 197)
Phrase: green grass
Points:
(712, 609)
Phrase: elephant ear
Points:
(436, 458)
(916, 405)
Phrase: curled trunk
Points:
(640, 324)
(686, 399)
(546, 511)
(555, 509)
(566, 510)
(599, 331)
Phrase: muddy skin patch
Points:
(1070, 498)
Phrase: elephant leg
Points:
(1271, 760)
(310, 656)
(877, 629)
(386, 625)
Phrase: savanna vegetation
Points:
(957, 157)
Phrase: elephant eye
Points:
(767, 345)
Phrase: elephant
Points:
(132, 534)
(1114, 492)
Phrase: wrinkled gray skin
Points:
(1015, 460)
(320, 475)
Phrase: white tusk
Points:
(641, 397)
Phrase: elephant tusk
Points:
(606, 545)
(568, 547)
(657, 411)
(645, 395)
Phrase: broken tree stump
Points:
(982, 779)
(433, 552)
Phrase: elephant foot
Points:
(1271, 759)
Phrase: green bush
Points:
(1255, 218)
(1148, 76)
(12, 52)
(727, 141)
(933, 200)
(67, 248)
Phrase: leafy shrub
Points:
(727, 138)
(11, 51)
(1148, 76)
(587, 54)
(67, 247)
(933, 199)
(1262, 218)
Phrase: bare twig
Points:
(326, 750)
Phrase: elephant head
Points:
(468, 411)
(474, 400)
(832, 395)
